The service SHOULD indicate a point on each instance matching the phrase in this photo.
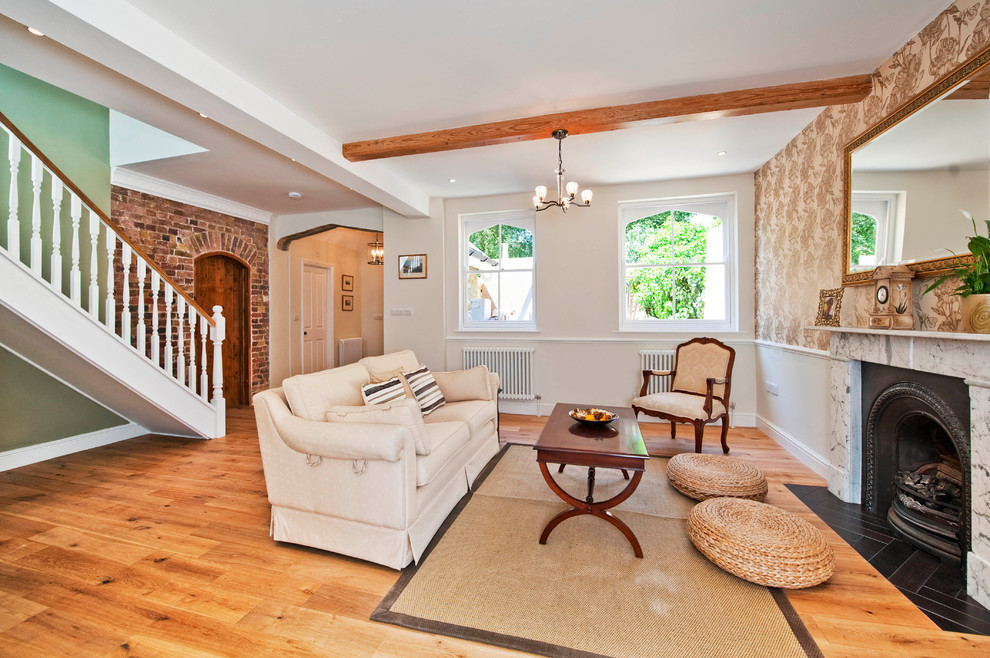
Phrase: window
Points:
(876, 230)
(678, 271)
(498, 273)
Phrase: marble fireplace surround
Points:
(966, 356)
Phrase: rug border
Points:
(383, 613)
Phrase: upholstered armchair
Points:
(699, 389)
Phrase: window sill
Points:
(497, 330)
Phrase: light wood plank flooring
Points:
(160, 547)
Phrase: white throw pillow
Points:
(404, 412)
(425, 388)
(383, 392)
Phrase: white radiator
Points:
(657, 360)
(514, 366)
(349, 350)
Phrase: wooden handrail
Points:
(99, 213)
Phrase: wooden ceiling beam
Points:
(800, 95)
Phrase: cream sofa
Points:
(357, 486)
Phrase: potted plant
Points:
(974, 282)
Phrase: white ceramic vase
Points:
(976, 314)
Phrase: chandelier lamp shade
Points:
(565, 193)
(376, 251)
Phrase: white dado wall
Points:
(580, 354)
(957, 355)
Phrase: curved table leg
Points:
(589, 506)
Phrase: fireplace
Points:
(916, 447)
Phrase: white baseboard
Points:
(61, 447)
(805, 455)
(539, 408)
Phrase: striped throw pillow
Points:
(383, 392)
(425, 388)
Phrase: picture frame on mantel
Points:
(829, 305)
(412, 266)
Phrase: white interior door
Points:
(317, 331)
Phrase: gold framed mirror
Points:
(905, 179)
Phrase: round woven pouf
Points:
(760, 543)
(703, 476)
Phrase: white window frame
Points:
(723, 206)
(889, 209)
(468, 224)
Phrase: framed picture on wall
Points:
(347, 302)
(346, 282)
(412, 267)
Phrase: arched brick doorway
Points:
(221, 279)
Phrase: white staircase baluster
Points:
(169, 364)
(37, 176)
(219, 333)
(142, 343)
(204, 381)
(75, 277)
(125, 294)
(192, 348)
(94, 268)
(110, 315)
(156, 340)
(56, 261)
(180, 338)
(13, 224)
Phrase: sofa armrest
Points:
(471, 384)
(377, 442)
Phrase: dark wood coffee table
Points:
(618, 445)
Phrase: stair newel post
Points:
(94, 269)
(169, 364)
(13, 225)
(219, 333)
(110, 315)
(37, 176)
(156, 340)
(192, 347)
(75, 276)
(142, 343)
(125, 301)
(56, 234)
(180, 336)
(204, 381)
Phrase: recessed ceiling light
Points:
(203, 115)
(722, 153)
(36, 32)
(295, 196)
(453, 180)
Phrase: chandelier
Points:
(376, 251)
(565, 195)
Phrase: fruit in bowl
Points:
(592, 415)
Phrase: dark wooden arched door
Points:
(226, 281)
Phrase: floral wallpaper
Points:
(799, 222)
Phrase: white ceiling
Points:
(295, 79)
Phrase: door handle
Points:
(305, 333)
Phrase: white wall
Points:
(581, 356)
(797, 416)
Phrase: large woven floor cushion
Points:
(703, 476)
(760, 543)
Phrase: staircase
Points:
(80, 301)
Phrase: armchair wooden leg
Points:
(725, 433)
(699, 435)
(561, 469)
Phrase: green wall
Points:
(36, 408)
(71, 131)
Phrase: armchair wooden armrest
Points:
(709, 395)
(654, 373)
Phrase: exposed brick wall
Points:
(173, 234)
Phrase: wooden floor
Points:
(160, 547)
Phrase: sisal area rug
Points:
(487, 578)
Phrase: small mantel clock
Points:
(892, 303)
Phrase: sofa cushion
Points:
(425, 388)
(387, 366)
(446, 440)
(473, 412)
(404, 412)
(383, 392)
(470, 384)
(311, 396)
